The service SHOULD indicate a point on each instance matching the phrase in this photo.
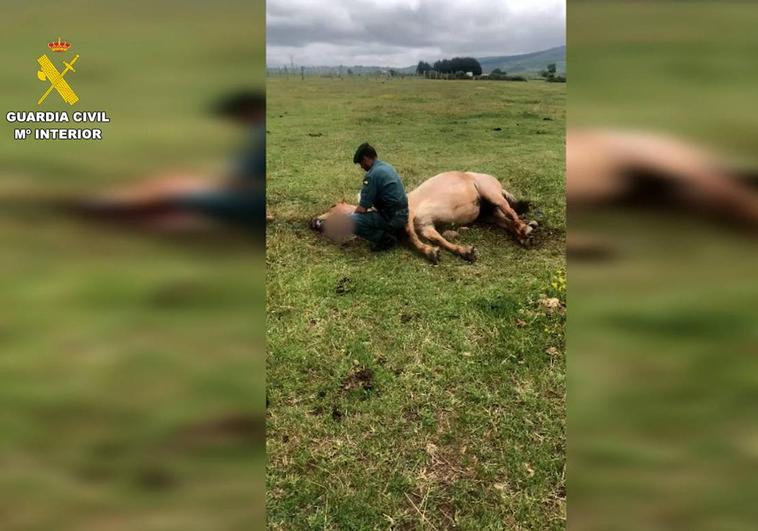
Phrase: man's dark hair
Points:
(240, 103)
(364, 150)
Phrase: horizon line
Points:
(280, 65)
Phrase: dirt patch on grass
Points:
(446, 465)
(233, 428)
(343, 286)
(544, 236)
(408, 317)
(356, 385)
(360, 379)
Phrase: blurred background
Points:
(132, 370)
(663, 298)
(132, 360)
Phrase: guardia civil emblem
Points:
(49, 72)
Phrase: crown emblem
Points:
(60, 46)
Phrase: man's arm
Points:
(368, 195)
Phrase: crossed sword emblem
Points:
(49, 72)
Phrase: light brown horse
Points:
(453, 197)
(607, 167)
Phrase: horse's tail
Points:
(521, 206)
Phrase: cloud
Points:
(402, 32)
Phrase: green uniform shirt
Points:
(383, 190)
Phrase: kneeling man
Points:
(384, 194)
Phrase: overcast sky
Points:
(402, 32)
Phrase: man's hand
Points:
(360, 210)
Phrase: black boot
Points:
(388, 241)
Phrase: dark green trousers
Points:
(372, 226)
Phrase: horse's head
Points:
(335, 222)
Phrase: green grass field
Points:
(662, 337)
(132, 367)
(404, 395)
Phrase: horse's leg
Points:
(467, 252)
(432, 253)
(490, 190)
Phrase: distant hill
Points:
(526, 63)
(523, 64)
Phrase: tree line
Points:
(451, 66)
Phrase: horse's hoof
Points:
(527, 235)
(470, 254)
(434, 256)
